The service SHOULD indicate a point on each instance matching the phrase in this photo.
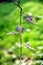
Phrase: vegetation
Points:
(9, 44)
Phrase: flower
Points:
(29, 18)
(19, 29)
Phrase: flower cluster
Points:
(29, 18)
(19, 29)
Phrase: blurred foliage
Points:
(9, 19)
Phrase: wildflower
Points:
(29, 19)
(19, 29)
